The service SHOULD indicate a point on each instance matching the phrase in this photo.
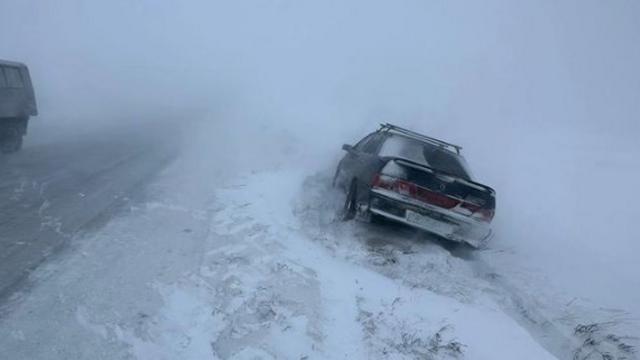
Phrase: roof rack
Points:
(418, 136)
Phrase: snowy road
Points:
(216, 262)
(49, 192)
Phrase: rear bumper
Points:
(442, 222)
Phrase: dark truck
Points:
(404, 176)
(17, 104)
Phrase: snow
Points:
(260, 207)
(248, 261)
(262, 286)
(233, 252)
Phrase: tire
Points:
(377, 219)
(349, 208)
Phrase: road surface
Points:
(49, 192)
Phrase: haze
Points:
(544, 97)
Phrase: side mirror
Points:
(347, 148)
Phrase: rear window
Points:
(425, 153)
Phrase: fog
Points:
(543, 96)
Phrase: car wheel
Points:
(376, 219)
(348, 211)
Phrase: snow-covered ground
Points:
(233, 251)
(248, 262)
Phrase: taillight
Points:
(407, 188)
(394, 184)
(401, 186)
(484, 214)
(437, 199)
(383, 181)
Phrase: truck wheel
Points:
(11, 140)
(349, 209)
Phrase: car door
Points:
(12, 101)
(5, 96)
(349, 165)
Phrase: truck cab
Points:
(17, 104)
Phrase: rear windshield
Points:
(427, 154)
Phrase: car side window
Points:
(373, 144)
(3, 81)
(13, 77)
(360, 146)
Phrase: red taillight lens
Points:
(383, 181)
(394, 184)
(437, 199)
(410, 189)
(431, 197)
(406, 188)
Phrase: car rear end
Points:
(451, 206)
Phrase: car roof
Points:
(12, 63)
(386, 127)
(440, 147)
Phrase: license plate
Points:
(429, 223)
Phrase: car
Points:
(404, 176)
(17, 104)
